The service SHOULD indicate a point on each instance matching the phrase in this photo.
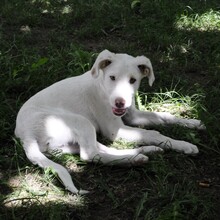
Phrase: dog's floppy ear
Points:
(145, 67)
(103, 60)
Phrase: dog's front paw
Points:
(193, 123)
(139, 160)
(197, 124)
(190, 149)
(201, 126)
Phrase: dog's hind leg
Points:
(93, 151)
(136, 156)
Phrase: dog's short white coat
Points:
(67, 115)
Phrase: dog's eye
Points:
(132, 80)
(112, 78)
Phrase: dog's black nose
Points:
(120, 103)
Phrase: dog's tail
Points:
(34, 154)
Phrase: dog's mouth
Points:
(119, 111)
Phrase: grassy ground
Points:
(43, 41)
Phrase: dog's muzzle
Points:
(119, 111)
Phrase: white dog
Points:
(67, 115)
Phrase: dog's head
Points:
(121, 75)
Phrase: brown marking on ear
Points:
(93, 71)
(145, 70)
(104, 63)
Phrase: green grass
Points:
(208, 21)
(43, 41)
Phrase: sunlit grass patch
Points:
(172, 102)
(31, 186)
(122, 144)
(35, 188)
(208, 21)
